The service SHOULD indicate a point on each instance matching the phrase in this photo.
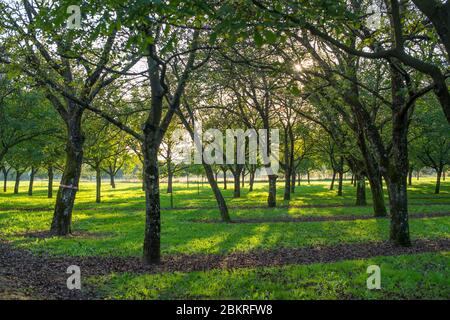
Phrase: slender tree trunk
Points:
(287, 183)
(17, 184)
(252, 180)
(152, 239)
(438, 180)
(65, 199)
(360, 190)
(5, 178)
(352, 177)
(169, 180)
(237, 183)
(443, 175)
(410, 174)
(98, 184)
(30, 185)
(376, 189)
(340, 181)
(223, 209)
(332, 180)
(243, 178)
(272, 198)
(293, 180)
(112, 179)
(187, 180)
(50, 182)
(307, 175)
(224, 179)
(299, 179)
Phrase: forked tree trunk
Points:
(396, 175)
(272, 198)
(293, 180)
(360, 190)
(50, 182)
(65, 199)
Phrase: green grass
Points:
(119, 222)
(423, 276)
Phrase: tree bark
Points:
(224, 179)
(50, 182)
(65, 199)
(169, 179)
(360, 190)
(293, 181)
(98, 184)
(5, 178)
(438, 180)
(17, 184)
(332, 180)
(30, 185)
(237, 183)
(223, 209)
(152, 240)
(410, 174)
(112, 179)
(252, 180)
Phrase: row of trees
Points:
(349, 79)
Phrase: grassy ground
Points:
(119, 224)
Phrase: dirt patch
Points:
(340, 217)
(45, 276)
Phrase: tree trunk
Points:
(397, 169)
(352, 177)
(293, 180)
(17, 184)
(299, 179)
(410, 174)
(5, 178)
(252, 180)
(341, 179)
(30, 185)
(98, 183)
(50, 182)
(65, 199)
(438, 181)
(224, 179)
(272, 198)
(112, 179)
(223, 209)
(152, 239)
(332, 180)
(376, 189)
(237, 183)
(360, 190)
(243, 178)
(169, 181)
(287, 183)
(307, 174)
